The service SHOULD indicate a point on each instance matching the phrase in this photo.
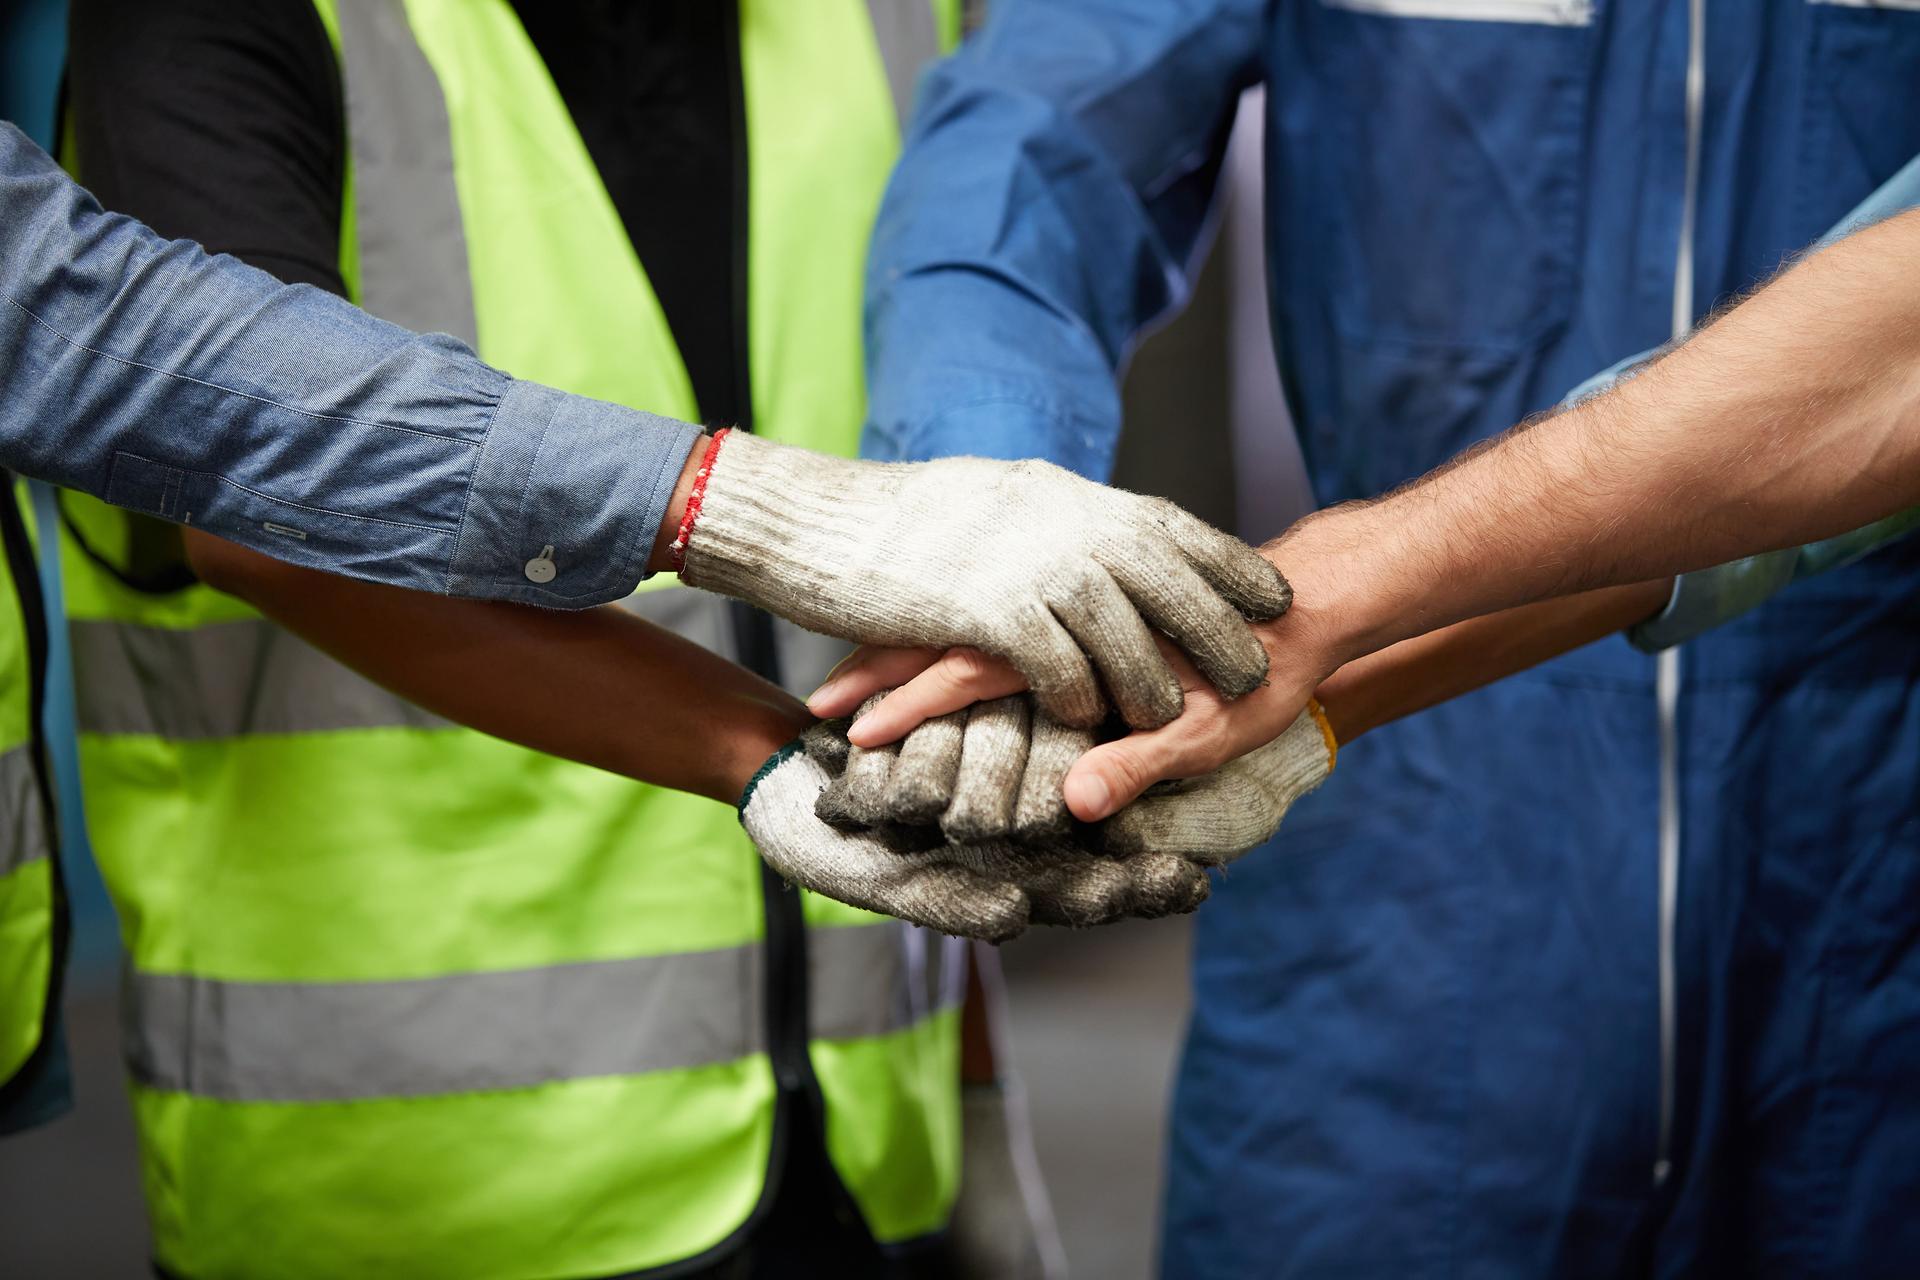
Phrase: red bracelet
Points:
(677, 552)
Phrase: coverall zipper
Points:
(1667, 669)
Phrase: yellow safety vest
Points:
(31, 905)
(407, 1000)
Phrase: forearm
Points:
(199, 390)
(1427, 670)
(599, 686)
(1794, 417)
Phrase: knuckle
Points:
(966, 665)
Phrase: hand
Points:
(1055, 574)
(989, 891)
(1211, 731)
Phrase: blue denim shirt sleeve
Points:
(1055, 182)
(197, 389)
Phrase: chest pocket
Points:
(1860, 105)
(1434, 152)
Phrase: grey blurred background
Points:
(1096, 1017)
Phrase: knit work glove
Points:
(989, 891)
(1024, 560)
(992, 772)
(1003, 780)
(1213, 819)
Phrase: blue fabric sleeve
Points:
(197, 389)
(1055, 182)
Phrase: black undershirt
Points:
(222, 122)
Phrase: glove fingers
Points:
(1180, 602)
(920, 888)
(826, 741)
(921, 786)
(1164, 884)
(1109, 627)
(1064, 885)
(857, 797)
(1212, 823)
(1054, 665)
(993, 758)
(1042, 807)
(1244, 577)
(858, 868)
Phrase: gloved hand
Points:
(1021, 559)
(1215, 818)
(989, 891)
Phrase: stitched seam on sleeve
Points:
(320, 511)
(231, 391)
(466, 497)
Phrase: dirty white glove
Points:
(1215, 818)
(989, 891)
(1014, 789)
(991, 772)
(1024, 560)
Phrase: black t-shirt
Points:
(222, 123)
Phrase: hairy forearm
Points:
(599, 686)
(1794, 417)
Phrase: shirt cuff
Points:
(1702, 601)
(579, 484)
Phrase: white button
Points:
(541, 568)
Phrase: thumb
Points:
(1113, 775)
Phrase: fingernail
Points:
(820, 693)
(1088, 797)
(857, 730)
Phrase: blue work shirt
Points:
(1597, 971)
(197, 389)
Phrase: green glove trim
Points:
(774, 761)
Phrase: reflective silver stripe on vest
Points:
(23, 821)
(909, 38)
(868, 980)
(346, 1041)
(227, 679)
(221, 681)
(412, 241)
(334, 1042)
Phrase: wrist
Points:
(674, 523)
(1348, 599)
(761, 728)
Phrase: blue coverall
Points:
(1612, 968)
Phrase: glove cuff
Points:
(765, 771)
(1319, 714)
(1298, 760)
(778, 526)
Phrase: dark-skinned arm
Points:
(599, 686)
